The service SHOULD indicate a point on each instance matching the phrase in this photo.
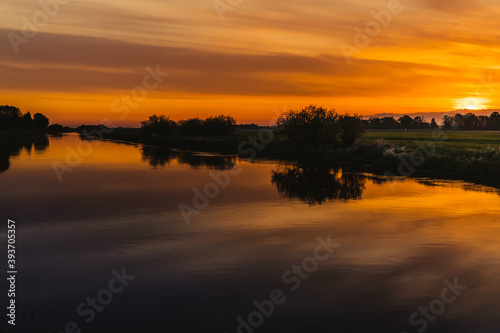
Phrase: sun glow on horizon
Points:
(472, 103)
(290, 58)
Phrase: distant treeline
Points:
(163, 125)
(458, 122)
(58, 129)
(251, 127)
(11, 118)
(311, 125)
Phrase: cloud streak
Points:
(429, 55)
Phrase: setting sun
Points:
(472, 103)
(219, 60)
(248, 166)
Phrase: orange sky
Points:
(429, 56)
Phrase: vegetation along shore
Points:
(463, 147)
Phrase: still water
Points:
(281, 248)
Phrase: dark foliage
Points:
(159, 125)
(310, 124)
(40, 122)
(350, 129)
(316, 125)
(215, 125)
(458, 122)
(58, 128)
(11, 118)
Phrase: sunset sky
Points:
(429, 56)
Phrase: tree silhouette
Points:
(350, 129)
(494, 122)
(406, 122)
(40, 122)
(11, 118)
(468, 122)
(158, 125)
(317, 125)
(163, 125)
(307, 123)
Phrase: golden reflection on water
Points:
(399, 240)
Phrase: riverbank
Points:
(469, 156)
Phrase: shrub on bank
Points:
(159, 125)
(319, 126)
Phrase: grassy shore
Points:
(470, 156)
(470, 139)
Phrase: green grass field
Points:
(473, 155)
(458, 144)
(451, 143)
(468, 139)
(455, 141)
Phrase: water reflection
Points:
(398, 245)
(12, 145)
(159, 157)
(318, 184)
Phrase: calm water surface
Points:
(398, 243)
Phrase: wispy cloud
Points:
(428, 55)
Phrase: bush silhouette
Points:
(350, 129)
(190, 127)
(307, 123)
(317, 125)
(40, 122)
(159, 125)
(219, 125)
(215, 125)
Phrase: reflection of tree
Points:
(159, 156)
(315, 185)
(155, 157)
(40, 143)
(12, 145)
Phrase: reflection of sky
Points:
(396, 248)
